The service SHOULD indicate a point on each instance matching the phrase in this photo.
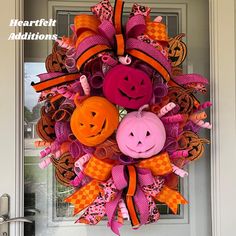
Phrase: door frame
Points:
(223, 91)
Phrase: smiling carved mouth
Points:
(174, 59)
(130, 98)
(141, 152)
(100, 132)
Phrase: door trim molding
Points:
(222, 80)
(223, 91)
(19, 123)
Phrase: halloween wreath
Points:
(120, 120)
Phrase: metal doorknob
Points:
(5, 219)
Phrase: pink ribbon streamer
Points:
(45, 163)
(85, 85)
(90, 42)
(204, 105)
(164, 110)
(141, 202)
(135, 26)
(190, 78)
(173, 119)
(123, 209)
(132, 43)
(78, 179)
(180, 172)
(47, 76)
(52, 148)
(107, 30)
(203, 124)
(82, 161)
(179, 153)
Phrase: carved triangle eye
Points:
(148, 134)
(131, 134)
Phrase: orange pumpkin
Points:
(177, 50)
(55, 62)
(94, 120)
(45, 126)
(190, 141)
(64, 168)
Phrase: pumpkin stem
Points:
(203, 140)
(139, 115)
(79, 99)
(179, 36)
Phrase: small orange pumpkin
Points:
(191, 141)
(55, 62)
(177, 50)
(45, 126)
(94, 120)
(64, 168)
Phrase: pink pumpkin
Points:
(127, 87)
(141, 134)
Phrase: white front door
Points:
(40, 190)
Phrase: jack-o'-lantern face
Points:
(64, 168)
(55, 62)
(183, 98)
(190, 141)
(141, 135)
(177, 50)
(45, 126)
(94, 120)
(127, 87)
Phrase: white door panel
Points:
(197, 220)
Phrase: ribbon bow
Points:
(137, 184)
(109, 36)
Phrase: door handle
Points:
(5, 219)
(32, 210)
(4, 215)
